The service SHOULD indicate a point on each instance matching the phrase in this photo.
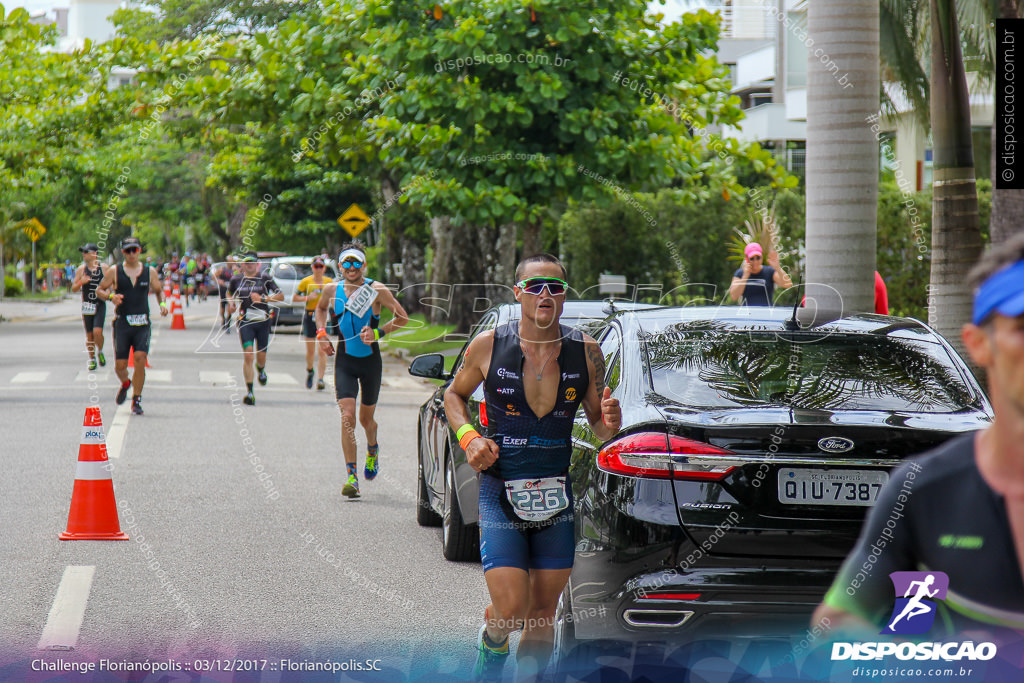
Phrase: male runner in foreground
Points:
(128, 286)
(94, 310)
(357, 301)
(960, 508)
(536, 367)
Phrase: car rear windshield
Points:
(730, 369)
(296, 271)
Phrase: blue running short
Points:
(504, 542)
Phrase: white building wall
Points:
(89, 19)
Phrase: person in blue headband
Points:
(955, 515)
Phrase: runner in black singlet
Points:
(358, 364)
(94, 310)
(249, 292)
(960, 508)
(128, 286)
(536, 373)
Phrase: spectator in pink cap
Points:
(754, 283)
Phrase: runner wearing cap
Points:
(94, 310)
(356, 301)
(249, 292)
(128, 286)
(309, 290)
(755, 283)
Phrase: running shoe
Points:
(351, 487)
(320, 385)
(103, 359)
(489, 660)
(122, 393)
(250, 399)
(262, 377)
(137, 405)
(309, 379)
(370, 469)
(92, 364)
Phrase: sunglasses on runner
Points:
(351, 264)
(318, 265)
(130, 250)
(536, 285)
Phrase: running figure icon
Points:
(914, 606)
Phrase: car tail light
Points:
(654, 455)
(669, 596)
(483, 413)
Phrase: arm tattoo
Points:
(597, 360)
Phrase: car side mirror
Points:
(430, 366)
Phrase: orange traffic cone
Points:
(131, 358)
(93, 514)
(178, 321)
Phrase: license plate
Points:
(830, 487)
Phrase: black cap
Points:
(131, 242)
(247, 256)
(89, 247)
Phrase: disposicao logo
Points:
(917, 596)
(914, 612)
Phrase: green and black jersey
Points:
(937, 514)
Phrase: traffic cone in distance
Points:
(131, 358)
(178, 319)
(93, 514)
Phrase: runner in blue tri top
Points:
(356, 302)
(536, 373)
(958, 509)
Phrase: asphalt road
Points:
(227, 557)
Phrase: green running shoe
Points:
(370, 469)
(490, 660)
(103, 359)
(351, 487)
(92, 364)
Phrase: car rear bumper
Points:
(666, 606)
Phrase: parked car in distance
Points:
(287, 272)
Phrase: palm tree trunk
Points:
(842, 153)
(956, 234)
(1007, 217)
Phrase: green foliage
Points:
(13, 286)
(686, 246)
(905, 243)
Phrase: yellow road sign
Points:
(33, 228)
(354, 220)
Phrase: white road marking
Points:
(65, 619)
(280, 378)
(214, 377)
(158, 375)
(95, 376)
(29, 377)
(118, 427)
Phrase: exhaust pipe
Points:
(656, 618)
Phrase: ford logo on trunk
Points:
(835, 444)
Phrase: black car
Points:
(750, 451)
(749, 454)
(442, 463)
